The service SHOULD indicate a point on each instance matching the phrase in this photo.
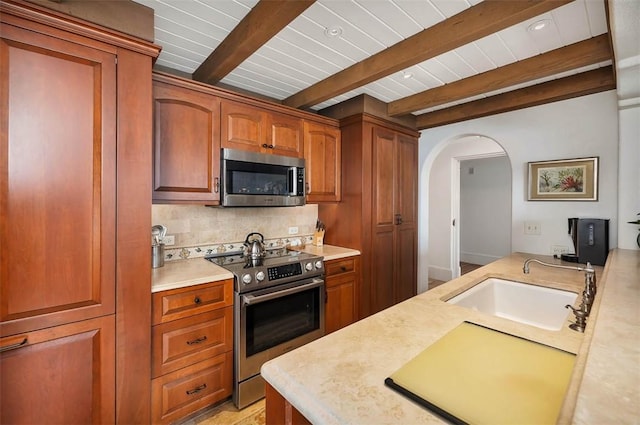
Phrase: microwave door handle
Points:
(293, 181)
(252, 299)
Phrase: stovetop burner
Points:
(278, 266)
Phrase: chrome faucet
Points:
(588, 294)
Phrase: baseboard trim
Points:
(439, 273)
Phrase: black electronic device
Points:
(590, 238)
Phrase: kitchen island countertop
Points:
(346, 383)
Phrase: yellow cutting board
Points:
(478, 375)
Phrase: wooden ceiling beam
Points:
(478, 21)
(588, 52)
(266, 19)
(582, 84)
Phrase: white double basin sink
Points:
(530, 304)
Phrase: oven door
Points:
(272, 321)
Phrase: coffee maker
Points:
(590, 238)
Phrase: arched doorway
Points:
(439, 233)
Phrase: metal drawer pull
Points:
(196, 390)
(343, 268)
(197, 300)
(197, 341)
(14, 346)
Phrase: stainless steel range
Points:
(278, 306)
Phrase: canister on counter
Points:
(157, 255)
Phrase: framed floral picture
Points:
(564, 180)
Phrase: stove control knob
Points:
(246, 278)
(260, 276)
(319, 264)
(308, 267)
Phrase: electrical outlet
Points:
(169, 240)
(532, 228)
(559, 249)
(293, 230)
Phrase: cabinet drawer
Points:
(187, 341)
(343, 265)
(179, 303)
(180, 393)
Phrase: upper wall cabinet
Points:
(186, 163)
(254, 129)
(193, 121)
(322, 153)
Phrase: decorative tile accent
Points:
(200, 231)
(182, 253)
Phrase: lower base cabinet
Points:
(185, 391)
(278, 411)
(342, 283)
(75, 374)
(192, 349)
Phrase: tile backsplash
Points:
(199, 230)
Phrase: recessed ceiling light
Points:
(334, 31)
(539, 25)
(406, 75)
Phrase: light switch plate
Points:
(293, 230)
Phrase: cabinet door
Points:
(322, 152)
(61, 375)
(57, 181)
(407, 224)
(383, 219)
(285, 135)
(186, 164)
(340, 306)
(342, 280)
(242, 127)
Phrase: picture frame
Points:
(564, 180)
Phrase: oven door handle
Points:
(252, 299)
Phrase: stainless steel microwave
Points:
(250, 179)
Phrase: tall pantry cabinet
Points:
(75, 150)
(378, 212)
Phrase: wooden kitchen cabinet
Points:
(78, 385)
(192, 345)
(75, 191)
(186, 148)
(342, 277)
(251, 128)
(379, 217)
(394, 218)
(322, 152)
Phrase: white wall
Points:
(581, 127)
(485, 209)
(629, 184)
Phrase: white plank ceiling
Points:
(303, 53)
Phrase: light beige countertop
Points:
(329, 252)
(345, 384)
(181, 273)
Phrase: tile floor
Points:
(227, 414)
